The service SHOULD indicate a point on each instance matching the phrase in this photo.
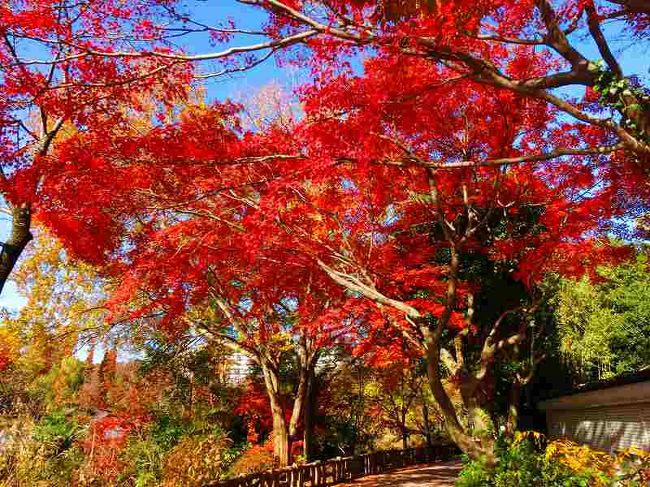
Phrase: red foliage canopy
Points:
(475, 132)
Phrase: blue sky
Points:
(215, 13)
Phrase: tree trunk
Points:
(426, 422)
(308, 419)
(301, 398)
(473, 448)
(513, 408)
(299, 401)
(405, 432)
(480, 422)
(18, 240)
(281, 443)
(281, 446)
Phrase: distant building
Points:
(237, 368)
(609, 415)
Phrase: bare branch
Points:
(354, 284)
(601, 42)
(304, 19)
(506, 161)
(557, 39)
(261, 46)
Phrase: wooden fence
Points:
(340, 470)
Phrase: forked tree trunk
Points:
(474, 448)
(281, 447)
(480, 423)
(284, 434)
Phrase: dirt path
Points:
(440, 474)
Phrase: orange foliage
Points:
(9, 346)
(258, 458)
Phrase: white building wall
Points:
(610, 419)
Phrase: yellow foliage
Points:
(635, 462)
(64, 298)
(196, 461)
(629, 466)
(633, 453)
(580, 458)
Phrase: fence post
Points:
(316, 477)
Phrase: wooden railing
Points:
(340, 470)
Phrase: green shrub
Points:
(475, 473)
(57, 432)
(168, 430)
(157, 453)
(144, 460)
(523, 462)
(519, 465)
(40, 454)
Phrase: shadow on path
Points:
(440, 474)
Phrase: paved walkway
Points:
(441, 474)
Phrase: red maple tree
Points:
(453, 151)
(55, 82)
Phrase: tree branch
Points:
(601, 42)
(507, 161)
(354, 284)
